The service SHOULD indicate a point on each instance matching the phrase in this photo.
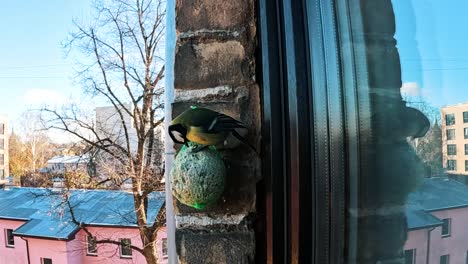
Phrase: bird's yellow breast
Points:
(196, 135)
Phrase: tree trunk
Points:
(150, 253)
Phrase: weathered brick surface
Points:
(203, 65)
(200, 247)
(213, 14)
(215, 68)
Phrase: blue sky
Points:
(432, 38)
(33, 66)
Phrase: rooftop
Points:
(434, 194)
(69, 159)
(47, 216)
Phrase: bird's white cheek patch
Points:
(178, 136)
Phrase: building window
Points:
(450, 119)
(125, 248)
(450, 134)
(446, 227)
(445, 259)
(9, 238)
(1, 159)
(164, 247)
(46, 261)
(465, 132)
(451, 165)
(465, 117)
(91, 246)
(2, 143)
(2, 173)
(410, 256)
(466, 165)
(452, 149)
(466, 149)
(2, 129)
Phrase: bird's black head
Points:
(180, 135)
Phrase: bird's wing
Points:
(222, 122)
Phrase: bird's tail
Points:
(243, 140)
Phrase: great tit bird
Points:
(204, 127)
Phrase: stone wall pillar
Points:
(215, 68)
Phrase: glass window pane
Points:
(445, 259)
(10, 240)
(450, 119)
(410, 256)
(450, 134)
(125, 247)
(411, 178)
(46, 261)
(92, 249)
(446, 227)
(164, 246)
(452, 149)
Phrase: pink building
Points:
(37, 229)
(437, 218)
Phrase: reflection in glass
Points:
(412, 189)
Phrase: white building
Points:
(109, 125)
(62, 164)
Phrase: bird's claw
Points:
(198, 148)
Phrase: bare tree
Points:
(122, 66)
(429, 147)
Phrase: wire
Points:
(33, 66)
(436, 69)
(32, 77)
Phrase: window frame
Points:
(88, 244)
(449, 227)
(465, 117)
(451, 149)
(7, 238)
(413, 253)
(44, 259)
(293, 228)
(447, 134)
(164, 247)
(121, 248)
(447, 123)
(465, 132)
(451, 168)
(447, 261)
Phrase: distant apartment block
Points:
(455, 139)
(109, 125)
(4, 165)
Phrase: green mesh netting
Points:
(198, 179)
